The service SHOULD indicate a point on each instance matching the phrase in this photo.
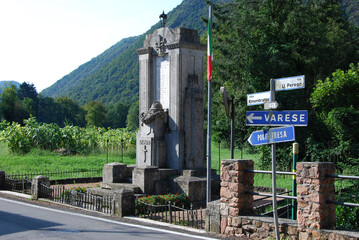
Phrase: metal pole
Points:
(219, 156)
(294, 184)
(107, 152)
(208, 197)
(274, 183)
(122, 150)
(209, 119)
(232, 128)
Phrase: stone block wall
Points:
(316, 217)
(314, 189)
(234, 200)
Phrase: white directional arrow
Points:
(251, 117)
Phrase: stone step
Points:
(118, 186)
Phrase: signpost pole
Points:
(274, 183)
(232, 128)
(294, 184)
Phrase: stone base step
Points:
(118, 186)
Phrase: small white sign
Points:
(290, 83)
(271, 105)
(258, 98)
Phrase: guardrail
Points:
(171, 213)
(55, 175)
(79, 199)
(347, 204)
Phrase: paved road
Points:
(19, 220)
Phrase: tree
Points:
(29, 91)
(10, 105)
(255, 41)
(117, 115)
(47, 110)
(336, 103)
(133, 116)
(95, 113)
(70, 112)
(28, 105)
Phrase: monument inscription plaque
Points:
(163, 81)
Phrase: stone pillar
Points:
(213, 217)
(313, 192)
(2, 180)
(114, 172)
(35, 185)
(235, 181)
(124, 201)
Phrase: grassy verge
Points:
(44, 161)
(40, 160)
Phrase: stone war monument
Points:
(170, 147)
(171, 133)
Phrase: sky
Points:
(43, 40)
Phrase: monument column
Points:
(171, 73)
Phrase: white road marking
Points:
(106, 220)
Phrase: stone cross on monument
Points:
(171, 133)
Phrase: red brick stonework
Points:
(316, 217)
(235, 181)
(313, 192)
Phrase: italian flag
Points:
(209, 46)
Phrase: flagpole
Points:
(209, 118)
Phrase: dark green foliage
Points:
(10, 105)
(27, 90)
(69, 112)
(95, 113)
(47, 109)
(335, 103)
(347, 217)
(117, 115)
(255, 41)
(133, 117)
(28, 94)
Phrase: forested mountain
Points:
(66, 85)
(4, 84)
(112, 76)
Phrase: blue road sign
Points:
(272, 135)
(277, 118)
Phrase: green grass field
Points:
(44, 161)
(40, 160)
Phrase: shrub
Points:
(176, 199)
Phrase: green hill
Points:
(4, 84)
(113, 75)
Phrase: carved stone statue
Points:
(152, 145)
(156, 111)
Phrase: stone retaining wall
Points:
(316, 217)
